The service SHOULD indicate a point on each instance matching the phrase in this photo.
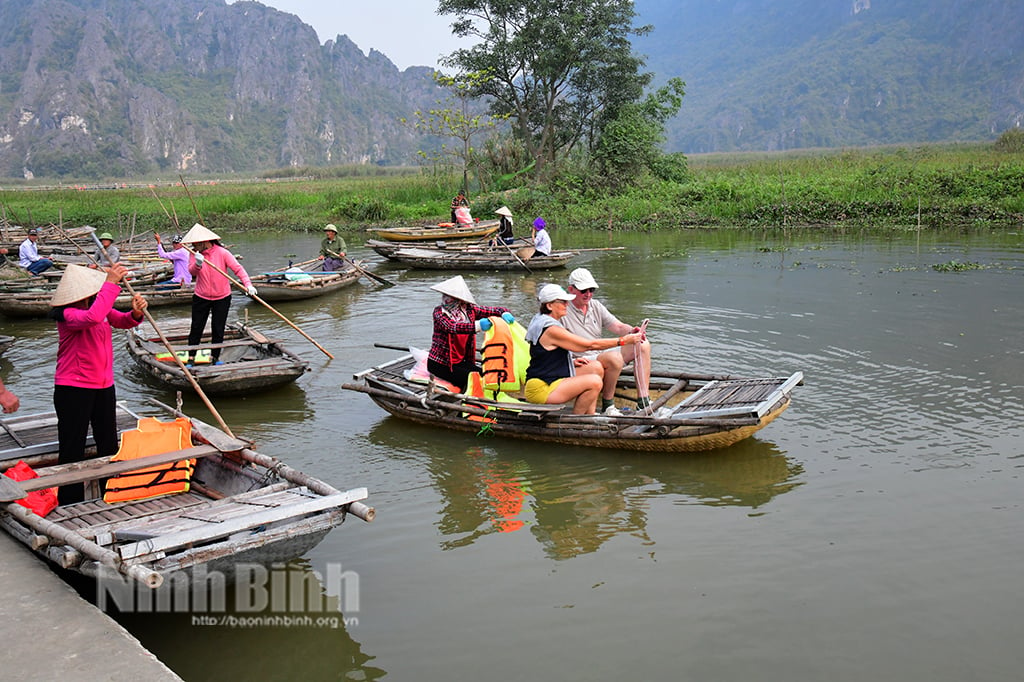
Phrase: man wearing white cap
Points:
(554, 376)
(452, 355)
(211, 298)
(588, 317)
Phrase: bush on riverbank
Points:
(934, 186)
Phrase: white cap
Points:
(455, 287)
(553, 292)
(582, 279)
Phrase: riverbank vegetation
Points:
(886, 188)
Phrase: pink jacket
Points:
(210, 284)
(85, 351)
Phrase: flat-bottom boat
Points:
(297, 286)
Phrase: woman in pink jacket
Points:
(83, 391)
(212, 295)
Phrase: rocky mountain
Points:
(125, 87)
(785, 74)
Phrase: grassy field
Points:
(884, 188)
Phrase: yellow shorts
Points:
(537, 390)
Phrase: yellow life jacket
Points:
(506, 356)
(152, 437)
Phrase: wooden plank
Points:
(106, 469)
(214, 531)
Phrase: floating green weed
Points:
(957, 266)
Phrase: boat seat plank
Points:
(736, 397)
(231, 509)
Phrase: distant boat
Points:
(250, 361)
(34, 301)
(443, 231)
(492, 259)
(295, 286)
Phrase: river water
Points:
(872, 532)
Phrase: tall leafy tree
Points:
(560, 69)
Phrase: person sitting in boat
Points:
(177, 255)
(463, 218)
(101, 255)
(332, 250)
(83, 392)
(541, 238)
(588, 317)
(28, 254)
(505, 234)
(554, 376)
(8, 400)
(452, 355)
(459, 200)
(212, 296)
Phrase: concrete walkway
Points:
(51, 633)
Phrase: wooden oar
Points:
(362, 271)
(170, 349)
(260, 300)
(516, 255)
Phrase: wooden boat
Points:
(5, 343)
(503, 259)
(689, 412)
(140, 273)
(35, 301)
(289, 286)
(242, 506)
(388, 249)
(250, 361)
(446, 231)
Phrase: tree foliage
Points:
(560, 69)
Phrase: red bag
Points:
(42, 502)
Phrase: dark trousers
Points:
(217, 312)
(78, 409)
(458, 375)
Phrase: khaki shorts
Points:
(537, 390)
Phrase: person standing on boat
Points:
(177, 255)
(8, 400)
(554, 376)
(112, 251)
(211, 298)
(28, 254)
(541, 238)
(459, 200)
(83, 391)
(332, 250)
(505, 233)
(588, 317)
(452, 355)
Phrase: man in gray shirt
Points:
(588, 317)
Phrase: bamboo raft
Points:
(279, 286)
(251, 361)
(422, 233)
(500, 259)
(689, 412)
(242, 506)
(34, 301)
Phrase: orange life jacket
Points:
(506, 356)
(152, 437)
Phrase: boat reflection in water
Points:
(573, 500)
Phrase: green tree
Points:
(560, 69)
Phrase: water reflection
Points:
(574, 500)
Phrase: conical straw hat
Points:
(504, 210)
(456, 288)
(199, 233)
(77, 282)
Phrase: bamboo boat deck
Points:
(242, 506)
(689, 412)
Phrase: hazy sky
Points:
(408, 32)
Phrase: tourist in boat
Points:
(179, 256)
(505, 233)
(588, 317)
(541, 238)
(83, 392)
(211, 298)
(8, 400)
(554, 376)
(109, 254)
(458, 201)
(332, 250)
(28, 254)
(452, 355)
